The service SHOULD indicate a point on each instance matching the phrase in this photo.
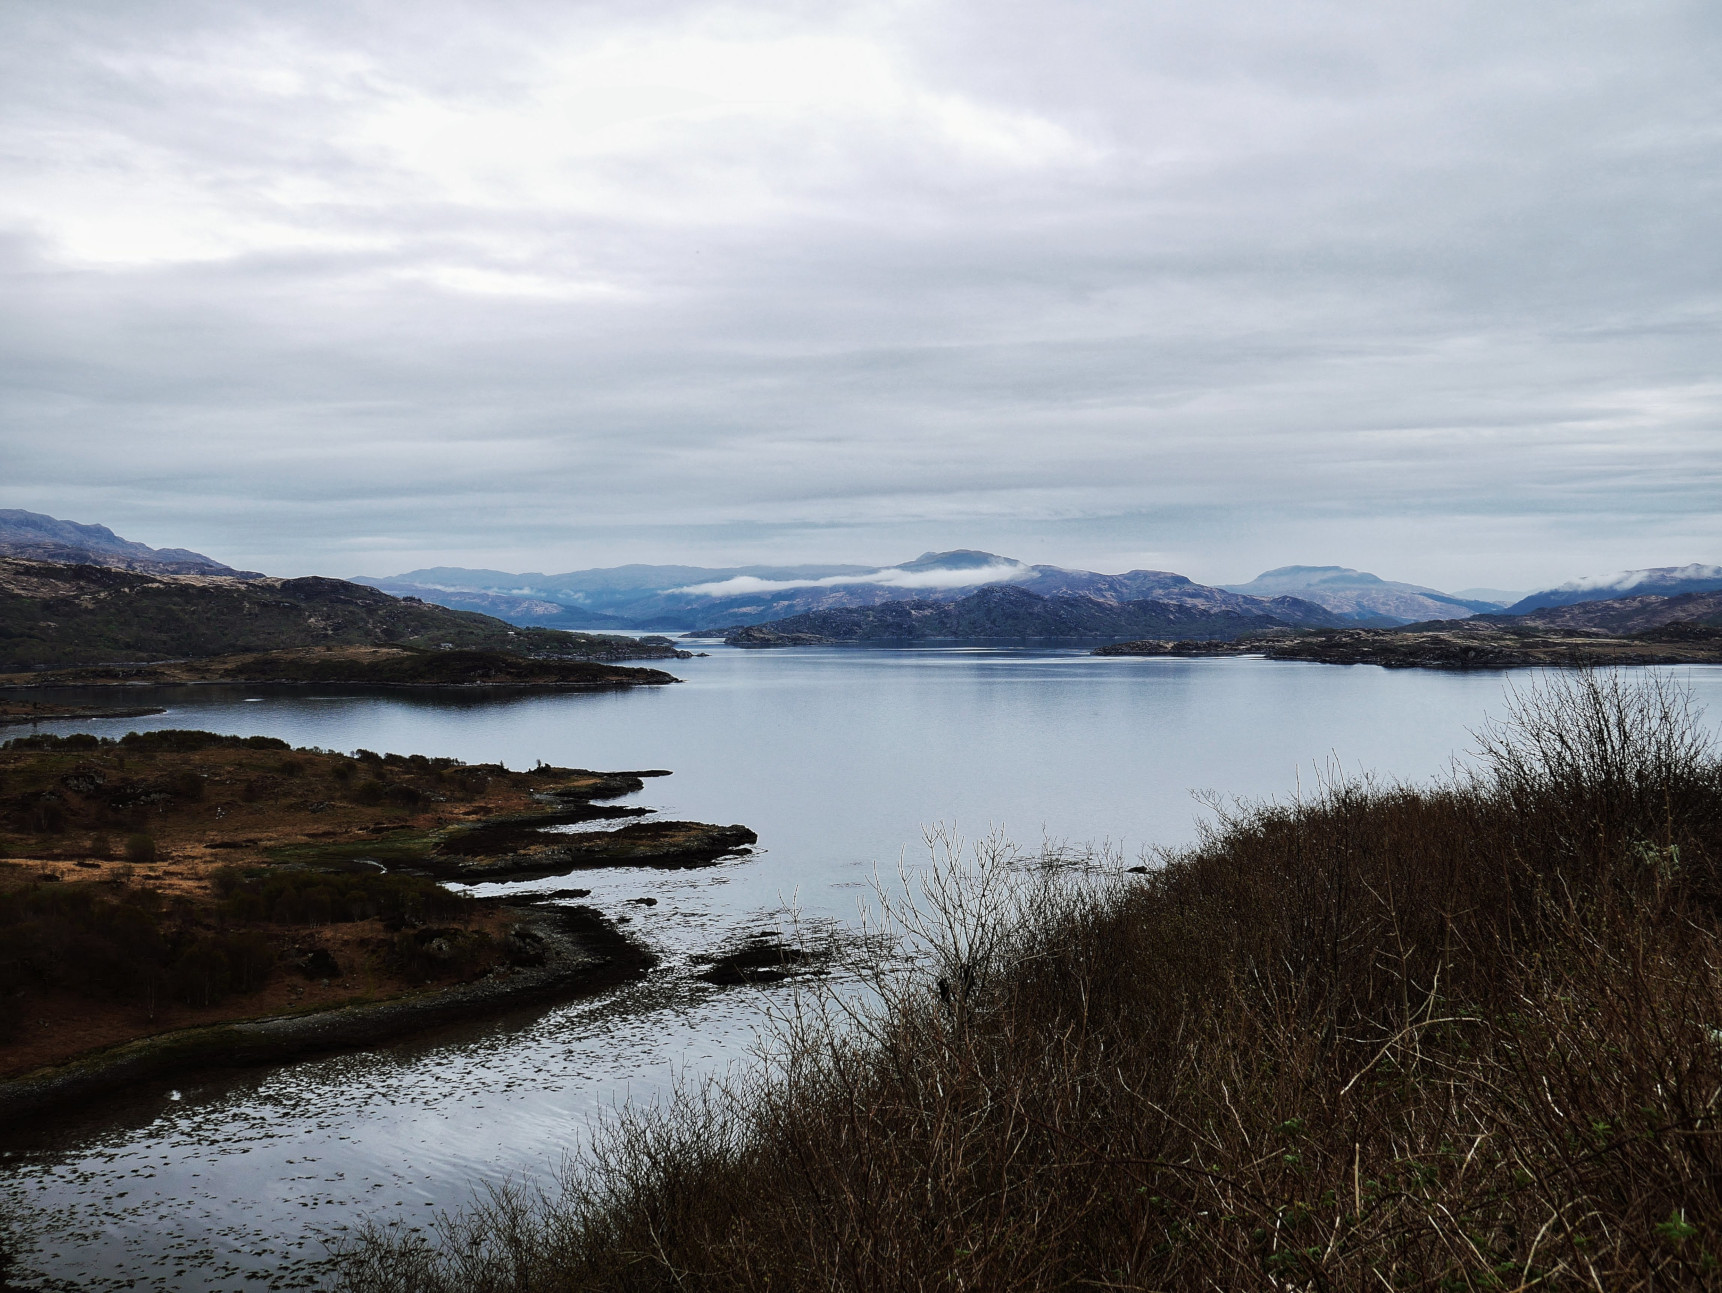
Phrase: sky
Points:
(1212, 287)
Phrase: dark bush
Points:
(48, 741)
(186, 784)
(44, 815)
(297, 897)
(440, 953)
(207, 968)
(68, 936)
(368, 792)
(181, 741)
(140, 848)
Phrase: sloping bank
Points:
(583, 954)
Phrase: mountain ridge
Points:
(761, 594)
(1007, 611)
(35, 536)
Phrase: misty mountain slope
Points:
(1623, 616)
(1008, 612)
(34, 536)
(531, 612)
(648, 596)
(1662, 581)
(59, 615)
(1357, 592)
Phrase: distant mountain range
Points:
(697, 597)
(1360, 594)
(684, 597)
(36, 537)
(1007, 611)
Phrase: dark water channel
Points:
(838, 758)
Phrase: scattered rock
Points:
(761, 958)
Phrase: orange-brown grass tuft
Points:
(1467, 1037)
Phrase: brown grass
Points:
(1467, 1037)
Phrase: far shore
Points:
(370, 666)
(1454, 645)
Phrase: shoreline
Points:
(585, 954)
(379, 666)
(1451, 647)
(618, 684)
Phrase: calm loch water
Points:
(837, 757)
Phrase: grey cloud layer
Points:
(1211, 287)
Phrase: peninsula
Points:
(158, 890)
(77, 624)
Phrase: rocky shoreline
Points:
(16, 712)
(278, 902)
(579, 953)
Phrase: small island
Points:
(180, 899)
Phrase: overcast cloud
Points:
(1431, 290)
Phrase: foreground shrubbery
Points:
(1460, 1038)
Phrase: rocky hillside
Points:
(1628, 615)
(36, 537)
(1000, 612)
(1625, 631)
(55, 616)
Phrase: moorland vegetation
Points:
(173, 879)
(1464, 1036)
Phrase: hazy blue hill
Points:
(1661, 581)
(1012, 612)
(536, 612)
(1369, 598)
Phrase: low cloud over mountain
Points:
(1664, 581)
